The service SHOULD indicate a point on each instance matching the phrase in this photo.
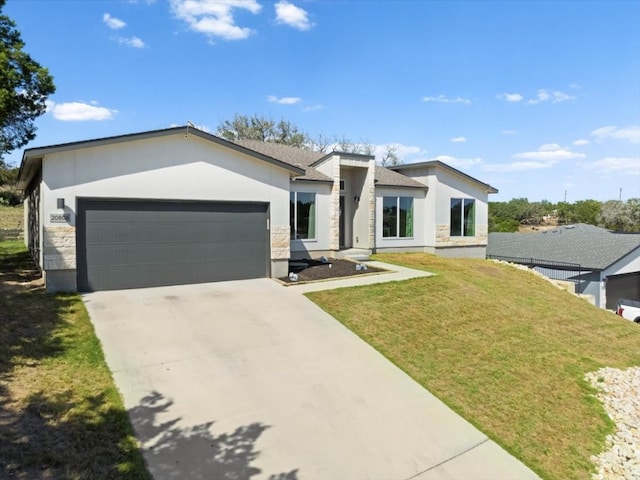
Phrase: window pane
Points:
(292, 215)
(469, 218)
(455, 228)
(305, 215)
(406, 217)
(389, 216)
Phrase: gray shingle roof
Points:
(592, 247)
(297, 157)
(389, 178)
(302, 158)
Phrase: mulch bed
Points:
(309, 270)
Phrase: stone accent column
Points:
(442, 234)
(59, 248)
(371, 189)
(444, 240)
(334, 208)
(482, 234)
(280, 242)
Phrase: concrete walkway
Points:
(251, 380)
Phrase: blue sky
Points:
(539, 99)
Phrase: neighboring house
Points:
(179, 206)
(601, 263)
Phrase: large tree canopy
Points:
(612, 214)
(24, 87)
(263, 129)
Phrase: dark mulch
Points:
(318, 270)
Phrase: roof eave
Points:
(316, 180)
(391, 185)
(438, 163)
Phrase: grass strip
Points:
(60, 414)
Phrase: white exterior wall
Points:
(171, 167)
(323, 205)
(443, 186)
(451, 186)
(627, 264)
(420, 219)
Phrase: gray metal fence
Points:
(566, 271)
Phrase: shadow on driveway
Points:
(195, 452)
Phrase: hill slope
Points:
(503, 347)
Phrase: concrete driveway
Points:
(250, 380)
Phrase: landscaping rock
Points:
(619, 391)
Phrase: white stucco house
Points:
(180, 205)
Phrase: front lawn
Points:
(60, 413)
(502, 347)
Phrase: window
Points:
(397, 217)
(302, 215)
(463, 217)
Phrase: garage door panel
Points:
(626, 285)
(131, 244)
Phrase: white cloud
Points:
(458, 139)
(214, 18)
(622, 165)
(113, 22)
(550, 152)
(551, 96)
(133, 42)
(458, 162)
(580, 142)
(630, 134)
(509, 132)
(80, 111)
(288, 14)
(445, 99)
(283, 100)
(510, 97)
(546, 156)
(516, 166)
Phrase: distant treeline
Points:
(612, 214)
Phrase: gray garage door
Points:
(133, 244)
(626, 285)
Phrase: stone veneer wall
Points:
(280, 242)
(59, 248)
(444, 240)
(334, 209)
(371, 184)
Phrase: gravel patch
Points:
(619, 391)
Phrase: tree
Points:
(621, 216)
(263, 129)
(24, 87)
(390, 156)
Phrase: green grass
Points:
(11, 217)
(502, 347)
(60, 413)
